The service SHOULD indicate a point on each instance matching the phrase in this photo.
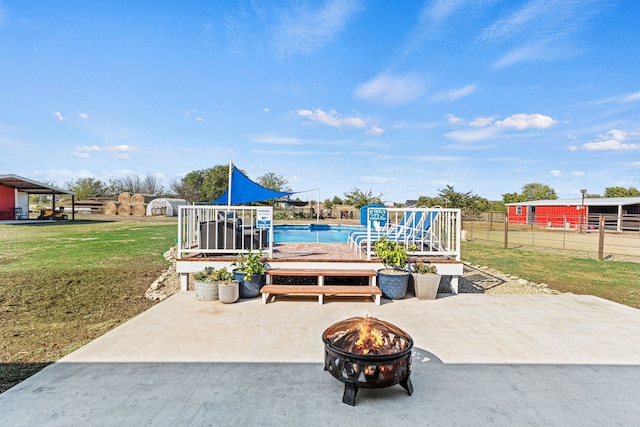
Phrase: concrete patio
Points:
(478, 359)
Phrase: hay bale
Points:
(111, 208)
(124, 197)
(139, 209)
(124, 209)
(141, 198)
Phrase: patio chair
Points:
(412, 227)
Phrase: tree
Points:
(621, 192)
(537, 191)
(337, 200)
(274, 182)
(512, 198)
(132, 183)
(428, 202)
(358, 198)
(216, 181)
(87, 187)
(188, 187)
(466, 201)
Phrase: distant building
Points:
(14, 195)
(620, 213)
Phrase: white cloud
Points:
(276, 140)
(527, 121)
(332, 119)
(614, 140)
(455, 120)
(89, 148)
(631, 97)
(83, 115)
(621, 99)
(577, 173)
(471, 135)
(375, 130)
(555, 172)
(542, 29)
(266, 109)
(391, 90)
(59, 116)
(573, 148)
(305, 29)
(480, 122)
(377, 179)
(454, 94)
(121, 152)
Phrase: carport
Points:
(14, 196)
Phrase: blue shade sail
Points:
(243, 190)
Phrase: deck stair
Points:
(321, 289)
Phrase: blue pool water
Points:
(320, 233)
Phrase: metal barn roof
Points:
(600, 201)
(29, 186)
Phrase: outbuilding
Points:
(620, 213)
(14, 196)
(165, 206)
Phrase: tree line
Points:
(205, 185)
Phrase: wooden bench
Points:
(320, 289)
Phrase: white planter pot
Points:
(426, 285)
(229, 293)
(206, 291)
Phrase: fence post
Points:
(601, 238)
(506, 233)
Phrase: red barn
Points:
(621, 213)
(14, 196)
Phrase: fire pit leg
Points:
(350, 391)
(406, 384)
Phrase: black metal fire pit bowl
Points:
(373, 370)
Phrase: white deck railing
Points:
(211, 230)
(430, 231)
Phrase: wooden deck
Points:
(312, 256)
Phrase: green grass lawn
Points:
(65, 283)
(613, 280)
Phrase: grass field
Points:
(63, 284)
(613, 280)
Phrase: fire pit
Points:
(367, 352)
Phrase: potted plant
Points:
(205, 285)
(228, 287)
(249, 272)
(426, 280)
(393, 279)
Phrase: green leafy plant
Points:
(422, 267)
(223, 276)
(392, 253)
(250, 263)
(208, 275)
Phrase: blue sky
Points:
(402, 100)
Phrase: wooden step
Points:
(320, 272)
(268, 290)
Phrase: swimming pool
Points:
(319, 233)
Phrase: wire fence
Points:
(594, 236)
